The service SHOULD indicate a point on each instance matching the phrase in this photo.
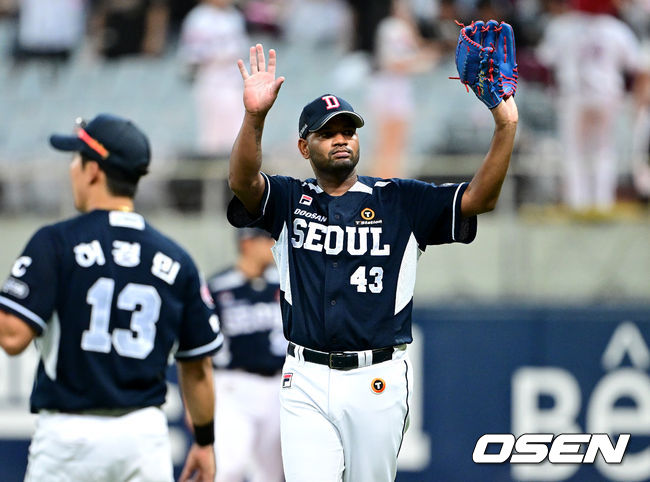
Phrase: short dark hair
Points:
(116, 183)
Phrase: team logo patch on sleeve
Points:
(306, 200)
(378, 385)
(286, 380)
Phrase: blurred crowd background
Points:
(577, 193)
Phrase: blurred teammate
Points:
(108, 299)
(347, 249)
(247, 299)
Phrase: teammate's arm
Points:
(196, 383)
(483, 191)
(15, 334)
(260, 91)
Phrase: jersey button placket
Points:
(332, 291)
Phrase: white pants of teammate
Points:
(68, 447)
(336, 428)
(590, 158)
(247, 424)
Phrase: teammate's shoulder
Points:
(165, 243)
(64, 226)
(227, 279)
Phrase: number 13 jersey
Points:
(111, 300)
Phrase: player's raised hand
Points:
(260, 86)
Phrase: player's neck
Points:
(335, 186)
(110, 203)
(250, 267)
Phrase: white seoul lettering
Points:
(363, 240)
(336, 233)
(298, 224)
(314, 236)
(244, 319)
(376, 241)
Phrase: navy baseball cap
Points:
(315, 114)
(115, 143)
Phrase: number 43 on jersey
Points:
(359, 279)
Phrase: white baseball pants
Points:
(70, 447)
(247, 424)
(336, 427)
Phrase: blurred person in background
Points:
(247, 300)
(213, 35)
(400, 52)
(107, 299)
(590, 52)
(130, 27)
(49, 30)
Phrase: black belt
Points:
(340, 360)
(102, 412)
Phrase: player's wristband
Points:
(204, 434)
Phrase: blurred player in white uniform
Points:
(212, 38)
(247, 298)
(590, 52)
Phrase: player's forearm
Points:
(244, 177)
(483, 191)
(197, 387)
(15, 335)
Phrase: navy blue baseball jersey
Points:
(111, 299)
(347, 263)
(251, 321)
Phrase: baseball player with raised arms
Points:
(108, 299)
(346, 249)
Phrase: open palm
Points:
(260, 86)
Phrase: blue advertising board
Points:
(478, 370)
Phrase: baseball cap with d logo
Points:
(115, 143)
(315, 114)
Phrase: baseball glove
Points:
(486, 60)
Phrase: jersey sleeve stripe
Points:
(201, 350)
(23, 311)
(453, 215)
(268, 192)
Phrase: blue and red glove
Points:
(486, 60)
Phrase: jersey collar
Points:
(356, 187)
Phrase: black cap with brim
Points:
(67, 143)
(322, 109)
(358, 120)
(115, 143)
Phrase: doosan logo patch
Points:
(306, 200)
(286, 380)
